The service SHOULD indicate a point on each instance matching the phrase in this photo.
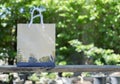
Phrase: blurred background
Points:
(87, 31)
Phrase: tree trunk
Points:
(10, 61)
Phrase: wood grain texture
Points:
(66, 68)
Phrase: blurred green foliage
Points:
(33, 77)
(96, 55)
(93, 22)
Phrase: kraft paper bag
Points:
(35, 43)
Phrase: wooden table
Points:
(65, 68)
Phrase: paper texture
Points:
(35, 43)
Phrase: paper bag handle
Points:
(40, 10)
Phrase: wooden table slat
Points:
(65, 68)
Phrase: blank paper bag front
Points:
(35, 43)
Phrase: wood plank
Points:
(66, 68)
